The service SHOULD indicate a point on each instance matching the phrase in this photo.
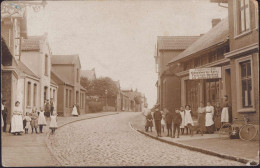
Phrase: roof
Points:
(31, 43)
(61, 78)
(90, 74)
(26, 70)
(214, 36)
(65, 59)
(175, 42)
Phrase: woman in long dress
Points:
(217, 116)
(201, 118)
(17, 120)
(209, 118)
(188, 119)
(74, 111)
(41, 120)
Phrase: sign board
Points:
(205, 73)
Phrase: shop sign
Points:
(205, 73)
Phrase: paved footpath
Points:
(110, 141)
(236, 149)
(30, 150)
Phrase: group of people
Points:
(210, 118)
(21, 123)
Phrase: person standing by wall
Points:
(41, 120)
(157, 115)
(4, 113)
(177, 122)
(182, 113)
(201, 118)
(217, 116)
(225, 116)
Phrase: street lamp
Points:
(106, 98)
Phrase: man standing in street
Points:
(168, 120)
(157, 121)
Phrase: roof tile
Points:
(175, 42)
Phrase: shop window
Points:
(246, 84)
(212, 91)
(243, 16)
(29, 94)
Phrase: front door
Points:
(212, 91)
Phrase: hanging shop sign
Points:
(205, 73)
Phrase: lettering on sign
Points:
(205, 73)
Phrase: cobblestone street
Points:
(110, 141)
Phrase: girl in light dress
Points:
(17, 120)
(188, 119)
(53, 123)
(163, 121)
(34, 121)
(182, 113)
(41, 120)
(74, 111)
(27, 119)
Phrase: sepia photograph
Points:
(87, 83)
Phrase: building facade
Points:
(66, 73)
(168, 84)
(244, 59)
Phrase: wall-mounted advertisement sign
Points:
(205, 73)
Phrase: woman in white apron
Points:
(209, 118)
(224, 113)
(74, 111)
(188, 119)
(17, 120)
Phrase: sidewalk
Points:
(236, 149)
(30, 150)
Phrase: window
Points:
(46, 65)
(70, 98)
(243, 20)
(77, 75)
(53, 97)
(34, 94)
(246, 84)
(67, 97)
(28, 93)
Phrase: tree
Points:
(98, 86)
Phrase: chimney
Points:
(215, 21)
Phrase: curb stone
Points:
(48, 144)
(205, 151)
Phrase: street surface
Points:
(110, 141)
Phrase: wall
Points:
(66, 71)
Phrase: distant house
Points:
(89, 74)
(36, 55)
(118, 97)
(66, 73)
(168, 85)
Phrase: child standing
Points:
(163, 121)
(27, 118)
(188, 119)
(182, 113)
(177, 122)
(53, 123)
(34, 121)
(41, 120)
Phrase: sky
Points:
(118, 37)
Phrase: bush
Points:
(95, 106)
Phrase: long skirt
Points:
(201, 122)
(17, 124)
(224, 115)
(218, 122)
(210, 129)
(209, 120)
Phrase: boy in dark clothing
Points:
(177, 122)
(157, 121)
(168, 120)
